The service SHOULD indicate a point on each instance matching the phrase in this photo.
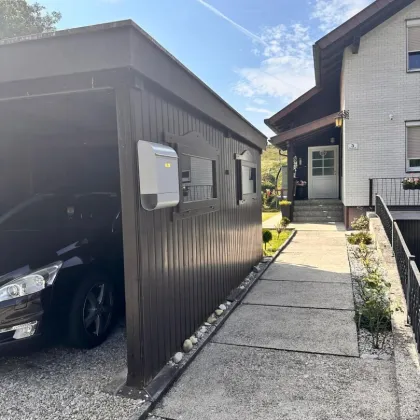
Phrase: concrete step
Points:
(304, 203)
(320, 207)
(317, 219)
(318, 213)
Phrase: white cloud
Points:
(245, 31)
(259, 110)
(287, 68)
(259, 101)
(332, 13)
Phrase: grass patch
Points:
(268, 215)
(276, 242)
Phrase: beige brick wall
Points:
(375, 85)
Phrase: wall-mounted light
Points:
(332, 140)
(341, 116)
(300, 161)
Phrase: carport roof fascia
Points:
(231, 119)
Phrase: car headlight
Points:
(30, 283)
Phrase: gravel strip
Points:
(61, 383)
(365, 337)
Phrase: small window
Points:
(413, 45)
(413, 146)
(198, 174)
(200, 184)
(246, 177)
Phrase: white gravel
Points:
(61, 383)
(365, 337)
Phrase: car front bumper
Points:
(23, 321)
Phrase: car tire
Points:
(92, 312)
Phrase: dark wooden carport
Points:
(177, 270)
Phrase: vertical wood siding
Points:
(187, 267)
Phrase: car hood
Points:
(24, 251)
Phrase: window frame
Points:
(245, 159)
(193, 144)
(408, 168)
(408, 25)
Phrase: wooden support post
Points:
(290, 172)
(127, 148)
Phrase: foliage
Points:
(267, 237)
(271, 162)
(360, 238)
(276, 243)
(281, 225)
(373, 306)
(362, 223)
(285, 203)
(411, 183)
(19, 18)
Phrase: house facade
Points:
(357, 133)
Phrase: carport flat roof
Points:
(116, 45)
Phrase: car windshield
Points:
(57, 212)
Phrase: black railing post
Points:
(411, 258)
(370, 192)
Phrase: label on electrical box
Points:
(167, 165)
(353, 146)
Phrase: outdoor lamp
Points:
(339, 119)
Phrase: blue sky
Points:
(256, 54)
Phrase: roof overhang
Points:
(303, 132)
(328, 51)
(113, 46)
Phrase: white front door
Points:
(323, 172)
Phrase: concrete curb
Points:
(407, 367)
(169, 374)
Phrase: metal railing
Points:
(387, 220)
(393, 192)
(197, 192)
(407, 267)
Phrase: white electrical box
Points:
(159, 177)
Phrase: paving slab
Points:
(295, 329)
(299, 270)
(237, 383)
(302, 294)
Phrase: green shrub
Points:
(360, 238)
(267, 237)
(281, 225)
(362, 223)
(375, 310)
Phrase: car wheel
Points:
(92, 312)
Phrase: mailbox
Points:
(159, 177)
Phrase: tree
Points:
(19, 18)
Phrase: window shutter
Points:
(413, 38)
(413, 142)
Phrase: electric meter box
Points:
(159, 176)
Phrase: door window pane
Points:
(328, 171)
(329, 155)
(329, 163)
(317, 171)
(317, 163)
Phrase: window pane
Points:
(414, 60)
(328, 171)
(316, 155)
(317, 171)
(200, 185)
(329, 163)
(414, 163)
(329, 155)
(317, 163)
(249, 180)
